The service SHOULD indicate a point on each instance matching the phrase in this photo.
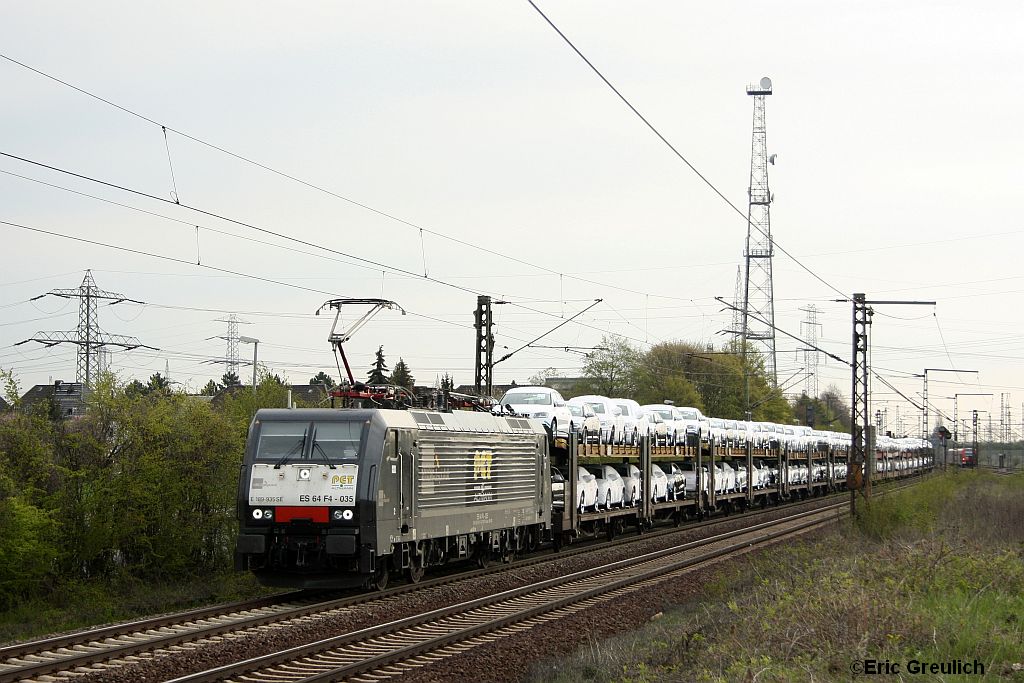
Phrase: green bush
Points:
(141, 489)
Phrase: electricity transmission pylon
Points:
(810, 333)
(91, 341)
(231, 356)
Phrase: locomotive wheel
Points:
(508, 553)
(483, 558)
(379, 581)
(416, 569)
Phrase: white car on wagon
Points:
(584, 421)
(609, 415)
(635, 422)
(673, 418)
(541, 403)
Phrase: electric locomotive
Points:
(333, 498)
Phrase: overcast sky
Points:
(896, 125)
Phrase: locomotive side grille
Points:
(464, 469)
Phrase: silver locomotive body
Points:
(331, 498)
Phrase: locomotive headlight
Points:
(338, 515)
(268, 513)
(257, 514)
(347, 515)
(304, 474)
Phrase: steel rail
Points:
(85, 648)
(512, 605)
(114, 630)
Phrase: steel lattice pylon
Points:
(758, 295)
(810, 333)
(231, 356)
(91, 341)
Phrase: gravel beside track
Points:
(222, 650)
(502, 660)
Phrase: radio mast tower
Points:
(92, 342)
(758, 298)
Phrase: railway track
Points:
(390, 649)
(95, 649)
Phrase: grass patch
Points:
(935, 573)
(85, 604)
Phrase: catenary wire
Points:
(164, 128)
(215, 268)
(212, 214)
(680, 155)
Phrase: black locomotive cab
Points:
(306, 507)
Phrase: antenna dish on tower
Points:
(766, 83)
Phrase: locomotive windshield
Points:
(281, 442)
(337, 440)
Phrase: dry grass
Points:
(935, 573)
(87, 604)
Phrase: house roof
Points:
(309, 394)
(4, 405)
(68, 395)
